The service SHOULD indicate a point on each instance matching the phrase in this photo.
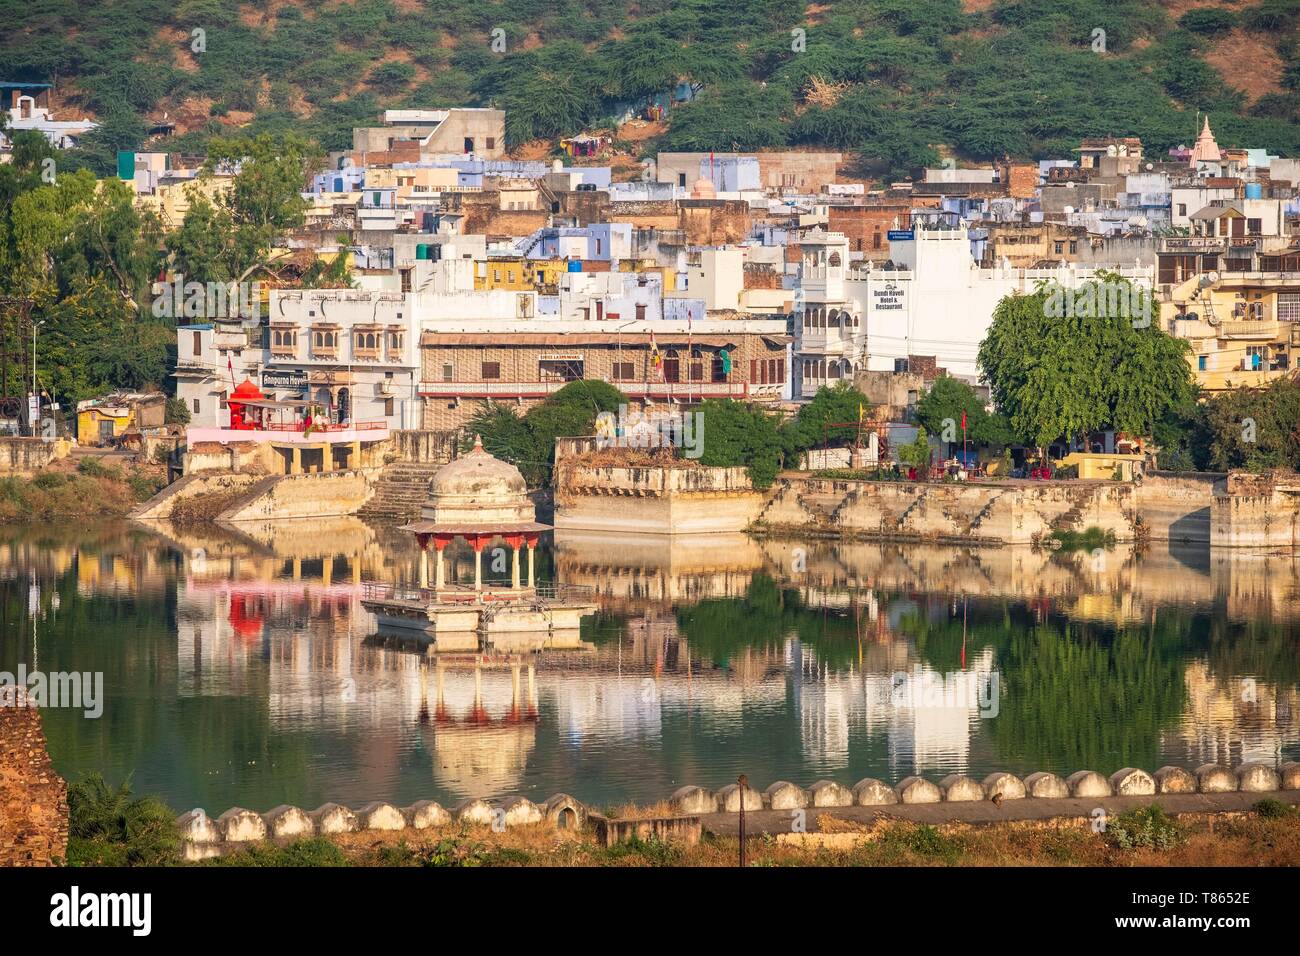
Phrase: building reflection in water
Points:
(663, 689)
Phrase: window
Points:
(640, 313)
(875, 241)
(1074, 246)
(717, 373)
(1060, 247)
(1182, 209)
(396, 340)
(406, 280)
(1200, 363)
(624, 371)
(198, 344)
(469, 144)
(491, 142)
(1288, 306)
(672, 367)
(196, 406)
(365, 343)
(284, 341)
(681, 179)
(324, 342)
(388, 408)
(491, 370)
(448, 372)
(1255, 227)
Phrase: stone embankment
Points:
(33, 798)
(999, 797)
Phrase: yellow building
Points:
(101, 421)
(1243, 327)
(171, 200)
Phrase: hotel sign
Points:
(284, 378)
(901, 235)
(890, 298)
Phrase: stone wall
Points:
(215, 485)
(327, 494)
(989, 513)
(424, 446)
(684, 499)
(33, 798)
(1175, 506)
(1257, 511)
(26, 456)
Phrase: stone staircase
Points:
(400, 490)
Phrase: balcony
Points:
(684, 391)
(1251, 329)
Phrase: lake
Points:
(241, 670)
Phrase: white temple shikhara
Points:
(481, 500)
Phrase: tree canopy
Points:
(1066, 376)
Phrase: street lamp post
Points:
(35, 404)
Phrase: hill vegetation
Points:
(884, 79)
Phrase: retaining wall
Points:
(33, 798)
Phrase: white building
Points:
(936, 301)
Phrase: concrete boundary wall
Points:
(998, 797)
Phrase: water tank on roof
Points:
(338, 184)
(1254, 191)
(422, 250)
(575, 265)
(125, 164)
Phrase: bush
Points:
(1147, 828)
(49, 480)
(313, 852)
(106, 827)
(1208, 22)
(1271, 809)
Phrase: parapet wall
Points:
(26, 456)
(1042, 795)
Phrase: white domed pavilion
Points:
(481, 500)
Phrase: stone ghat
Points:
(205, 837)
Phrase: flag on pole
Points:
(963, 420)
(656, 360)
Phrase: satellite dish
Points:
(1068, 209)
(1149, 167)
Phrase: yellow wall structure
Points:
(171, 202)
(88, 424)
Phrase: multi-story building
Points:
(1243, 327)
(934, 301)
(467, 364)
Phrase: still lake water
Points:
(240, 669)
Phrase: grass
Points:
(92, 489)
(1092, 539)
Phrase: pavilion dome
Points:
(478, 489)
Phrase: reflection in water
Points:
(240, 668)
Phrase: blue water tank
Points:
(1254, 191)
(575, 265)
(338, 184)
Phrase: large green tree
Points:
(1066, 375)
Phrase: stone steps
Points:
(400, 490)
